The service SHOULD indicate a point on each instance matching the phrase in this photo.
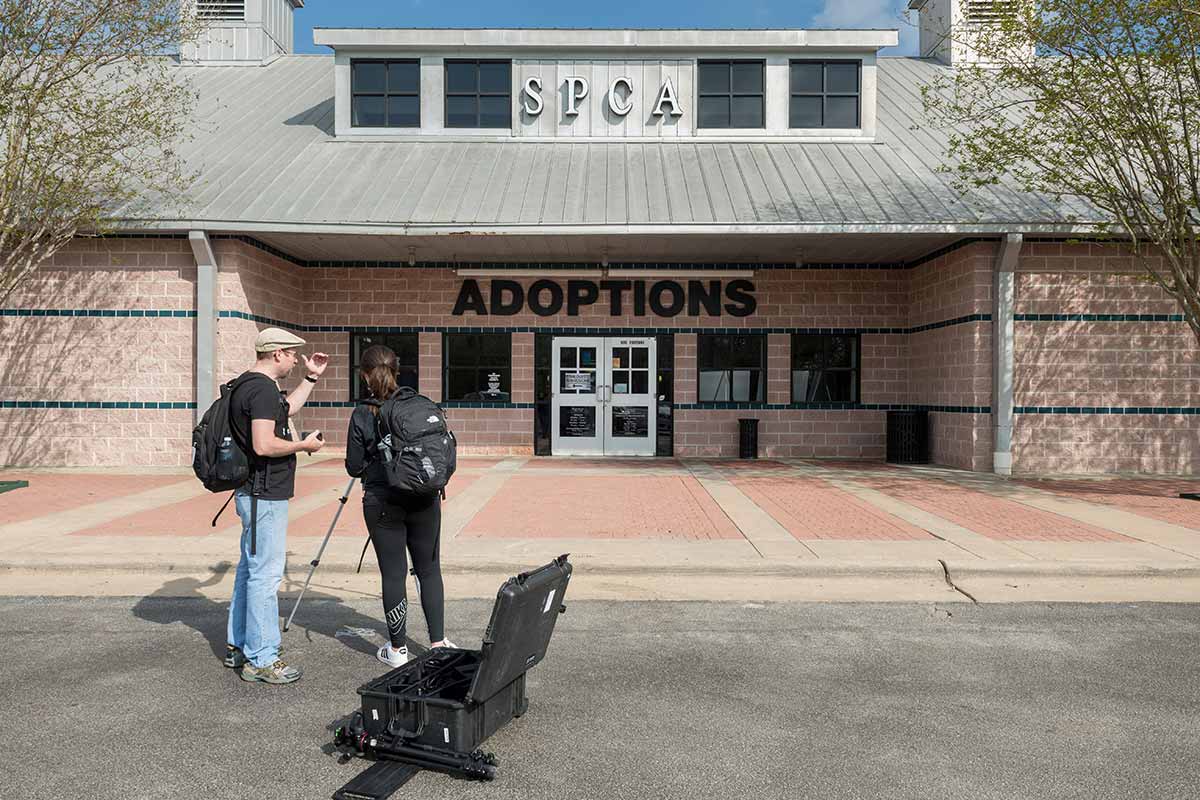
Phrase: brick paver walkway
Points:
(603, 506)
(724, 508)
(1157, 499)
(813, 509)
(990, 516)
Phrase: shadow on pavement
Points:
(320, 613)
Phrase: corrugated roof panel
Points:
(264, 153)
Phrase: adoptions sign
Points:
(667, 298)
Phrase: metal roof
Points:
(267, 161)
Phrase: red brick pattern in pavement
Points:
(193, 517)
(1155, 499)
(813, 509)
(50, 493)
(602, 507)
(350, 523)
(987, 515)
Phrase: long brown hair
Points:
(379, 370)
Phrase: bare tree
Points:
(93, 108)
(1097, 100)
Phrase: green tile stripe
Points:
(1099, 318)
(1126, 410)
(8, 486)
(832, 407)
(98, 312)
(119, 405)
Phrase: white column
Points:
(206, 320)
(1003, 362)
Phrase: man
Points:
(258, 414)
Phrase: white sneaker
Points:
(393, 658)
(449, 644)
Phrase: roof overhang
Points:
(592, 39)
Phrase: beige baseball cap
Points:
(272, 339)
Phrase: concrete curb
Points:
(807, 568)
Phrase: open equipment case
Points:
(435, 711)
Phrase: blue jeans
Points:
(254, 609)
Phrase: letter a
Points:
(667, 95)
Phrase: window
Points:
(825, 94)
(478, 94)
(385, 94)
(478, 367)
(824, 368)
(404, 345)
(732, 368)
(731, 94)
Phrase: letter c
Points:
(615, 104)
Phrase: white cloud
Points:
(870, 14)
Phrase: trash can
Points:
(908, 437)
(747, 438)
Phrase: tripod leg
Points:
(316, 562)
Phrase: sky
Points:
(609, 14)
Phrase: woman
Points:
(397, 522)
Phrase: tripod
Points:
(316, 562)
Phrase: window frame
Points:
(386, 62)
(355, 379)
(731, 94)
(855, 368)
(478, 366)
(477, 94)
(761, 338)
(825, 94)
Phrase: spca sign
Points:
(620, 97)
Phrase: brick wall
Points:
(1093, 364)
(952, 366)
(124, 358)
(120, 360)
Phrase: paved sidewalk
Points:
(648, 528)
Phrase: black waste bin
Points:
(908, 437)
(747, 438)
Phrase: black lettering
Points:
(580, 293)
(470, 299)
(507, 308)
(698, 295)
(535, 298)
(741, 294)
(616, 290)
(639, 298)
(678, 298)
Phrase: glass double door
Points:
(603, 398)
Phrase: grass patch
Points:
(8, 486)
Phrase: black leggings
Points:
(414, 524)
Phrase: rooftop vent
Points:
(221, 9)
(990, 12)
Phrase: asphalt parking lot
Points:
(125, 698)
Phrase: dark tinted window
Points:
(731, 94)
(825, 368)
(404, 345)
(478, 367)
(732, 368)
(385, 94)
(825, 94)
(478, 94)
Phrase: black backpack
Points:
(218, 458)
(418, 450)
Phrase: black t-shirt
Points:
(261, 398)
